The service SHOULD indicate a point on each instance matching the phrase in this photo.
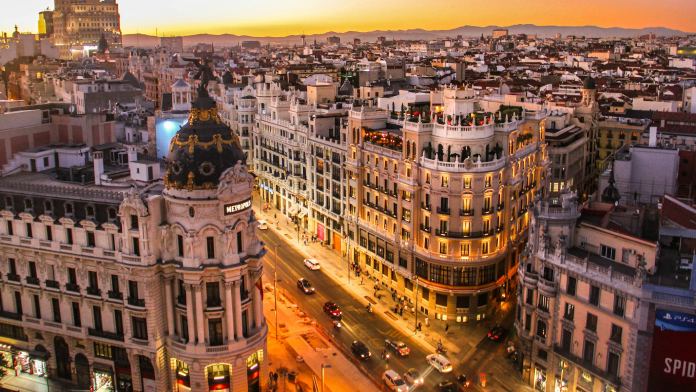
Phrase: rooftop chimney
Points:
(652, 142)
(98, 158)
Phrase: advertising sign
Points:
(673, 359)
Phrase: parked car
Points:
(497, 333)
(304, 285)
(332, 310)
(413, 378)
(394, 382)
(360, 350)
(439, 362)
(263, 225)
(312, 264)
(398, 347)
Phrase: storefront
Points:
(31, 362)
(6, 359)
(254, 371)
(103, 378)
(539, 378)
(183, 378)
(218, 377)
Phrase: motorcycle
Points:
(463, 381)
(369, 308)
(337, 324)
(441, 349)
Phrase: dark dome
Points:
(590, 83)
(202, 149)
(227, 78)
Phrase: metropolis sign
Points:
(237, 207)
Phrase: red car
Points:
(497, 333)
(332, 310)
(398, 347)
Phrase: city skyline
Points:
(316, 17)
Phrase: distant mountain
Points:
(143, 40)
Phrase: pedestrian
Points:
(275, 216)
(361, 280)
(401, 311)
(427, 322)
(446, 328)
(419, 327)
(305, 242)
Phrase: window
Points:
(180, 245)
(594, 295)
(184, 328)
(30, 232)
(482, 299)
(528, 322)
(569, 312)
(588, 352)
(32, 269)
(213, 294)
(543, 302)
(96, 314)
(10, 228)
(72, 275)
(134, 222)
(90, 239)
(619, 305)
(55, 306)
(210, 246)
(136, 246)
(18, 302)
(68, 209)
(240, 242)
(139, 328)
(484, 248)
(591, 323)
(571, 285)
(68, 236)
(215, 331)
(566, 339)
(465, 249)
(92, 277)
(467, 182)
(607, 252)
(118, 322)
(530, 297)
(443, 247)
(115, 287)
(613, 364)
(133, 289)
(49, 233)
(77, 321)
(616, 332)
(541, 329)
(37, 307)
(463, 301)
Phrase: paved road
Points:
(371, 329)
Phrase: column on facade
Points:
(239, 332)
(190, 324)
(200, 319)
(258, 306)
(239, 375)
(170, 307)
(229, 311)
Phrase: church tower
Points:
(211, 256)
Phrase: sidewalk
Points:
(301, 348)
(460, 338)
(29, 383)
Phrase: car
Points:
(394, 382)
(360, 350)
(398, 347)
(312, 264)
(413, 378)
(439, 362)
(304, 285)
(446, 386)
(263, 225)
(497, 333)
(332, 310)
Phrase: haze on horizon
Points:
(288, 17)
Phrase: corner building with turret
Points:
(148, 282)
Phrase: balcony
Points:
(426, 229)
(500, 206)
(52, 284)
(443, 210)
(33, 280)
(487, 211)
(93, 291)
(137, 302)
(115, 295)
(215, 303)
(10, 315)
(13, 277)
(74, 287)
(548, 287)
(105, 334)
(426, 207)
(469, 212)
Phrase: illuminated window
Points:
(467, 182)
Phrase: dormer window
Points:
(68, 209)
(8, 203)
(28, 204)
(48, 206)
(89, 211)
(112, 213)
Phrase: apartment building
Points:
(438, 206)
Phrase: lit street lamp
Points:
(323, 366)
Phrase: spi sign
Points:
(673, 359)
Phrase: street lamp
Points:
(323, 366)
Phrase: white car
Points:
(263, 225)
(413, 378)
(312, 264)
(440, 363)
(394, 382)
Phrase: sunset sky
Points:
(284, 17)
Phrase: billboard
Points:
(165, 129)
(673, 359)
